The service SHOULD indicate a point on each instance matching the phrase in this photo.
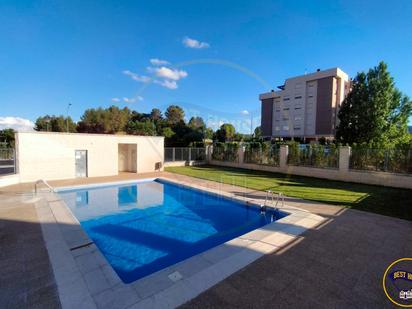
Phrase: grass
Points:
(377, 199)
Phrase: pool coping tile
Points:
(85, 279)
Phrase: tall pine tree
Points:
(375, 112)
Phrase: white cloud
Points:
(162, 75)
(193, 43)
(244, 112)
(132, 100)
(156, 61)
(167, 73)
(115, 100)
(171, 84)
(136, 77)
(16, 123)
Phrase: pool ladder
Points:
(42, 181)
(270, 196)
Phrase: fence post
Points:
(209, 150)
(344, 158)
(190, 154)
(283, 157)
(241, 154)
(173, 154)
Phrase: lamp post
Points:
(67, 117)
(47, 123)
(251, 124)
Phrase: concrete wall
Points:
(343, 173)
(46, 155)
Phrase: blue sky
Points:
(220, 54)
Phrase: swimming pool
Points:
(146, 226)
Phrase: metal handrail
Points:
(45, 183)
(279, 197)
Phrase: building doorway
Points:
(127, 158)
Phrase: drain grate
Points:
(81, 246)
(176, 276)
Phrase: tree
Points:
(116, 119)
(92, 121)
(55, 124)
(7, 138)
(167, 132)
(197, 123)
(208, 134)
(258, 132)
(174, 114)
(375, 112)
(156, 114)
(226, 133)
(109, 120)
(146, 128)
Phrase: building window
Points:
(298, 107)
(296, 128)
(285, 128)
(298, 97)
(286, 109)
(286, 99)
(298, 118)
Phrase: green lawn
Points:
(382, 200)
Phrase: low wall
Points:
(8, 180)
(343, 173)
(183, 163)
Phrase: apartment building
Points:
(305, 106)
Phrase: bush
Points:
(314, 155)
(262, 153)
(225, 152)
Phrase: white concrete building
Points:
(305, 106)
(51, 156)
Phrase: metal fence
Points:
(314, 156)
(7, 161)
(384, 160)
(268, 155)
(225, 152)
(184, 154)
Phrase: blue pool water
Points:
(144, 227)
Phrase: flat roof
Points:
(88, 134)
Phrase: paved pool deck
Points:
(26, 277)
(338, 264)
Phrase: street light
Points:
(251, 124)
(47, 120)
(67, 117)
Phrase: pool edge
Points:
(173, 285)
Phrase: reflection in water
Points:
(96, 202)
(127, 195)
(82, 198)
